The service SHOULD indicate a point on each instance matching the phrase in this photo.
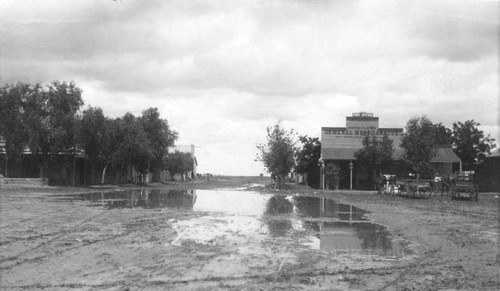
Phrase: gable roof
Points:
(445, 155)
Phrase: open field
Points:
(54, 244)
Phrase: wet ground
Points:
(237, 235)
(322, 222)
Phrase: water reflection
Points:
(343, 227)
(150, 198)
(326, 224)
(277, 205)
(322, 207)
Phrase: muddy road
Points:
(233, 234)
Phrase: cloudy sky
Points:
(220, 72)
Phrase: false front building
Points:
(340, 170)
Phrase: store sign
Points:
(363, 132)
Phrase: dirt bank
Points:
(60, 245)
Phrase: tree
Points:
(308, 159)
(134, 148)
(178, 162)
(63, 103)
(159, 136)
(98, 138)
(278, 154)
(442, 135)
(12, 127)
(375, 153)
(36, 120)
(111, 141)
(470, 144)
(91, 132)
(420, 143)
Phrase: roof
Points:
(443, 155)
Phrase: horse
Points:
(446, 182)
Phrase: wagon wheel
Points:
(418, 193)
(425, 193)
(411, 191)
(421, 192)
(401, 190)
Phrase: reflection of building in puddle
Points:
(321, 207)
(343, 227)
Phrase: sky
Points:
(221, 72)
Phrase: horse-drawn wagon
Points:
(464, 187)
(408, 187)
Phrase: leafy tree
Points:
(91, 132)
(308, 159)
(375, 153)
(442, 135)
(36, 122)
(179, 162)
(159, 136)
(111, 141)
(278, 154)
(63, 103)
(96, 137)
(47, 120)
(420, 143)
(470, 144)
(134, 148)
(12, 128)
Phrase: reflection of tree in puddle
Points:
(373, 236)
(154, 198)
(278, 205)
(184, 199)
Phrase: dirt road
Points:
(60, 244)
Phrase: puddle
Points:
(237, 217)
(151, 198)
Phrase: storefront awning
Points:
(338, 153)
(348, 153)
(443, 155)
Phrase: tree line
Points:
(49, 121)
(282, 154)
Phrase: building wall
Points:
(351, 136)
(487, 175)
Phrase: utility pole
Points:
(350, 170)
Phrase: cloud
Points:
(457, 32)
(222, 71)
